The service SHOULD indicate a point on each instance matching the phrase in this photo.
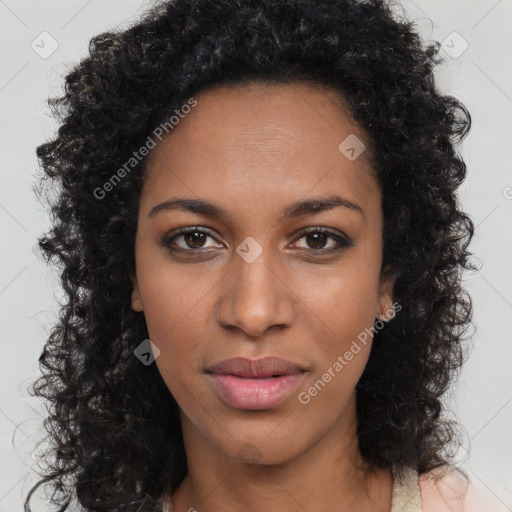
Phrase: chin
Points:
(262, 451)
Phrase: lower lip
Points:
(261, 393)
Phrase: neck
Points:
(330, 475)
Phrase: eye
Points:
(194, 238)
(317, 237)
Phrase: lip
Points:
(249, 384)
(255, 368)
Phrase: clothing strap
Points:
(406, 492)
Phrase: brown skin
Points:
(253, 151)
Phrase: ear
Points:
(385, 310)
(136, 299)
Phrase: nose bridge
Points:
(255, 276)
(256, 297)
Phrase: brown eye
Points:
(317, 238)
(317, 241)
(193, 238)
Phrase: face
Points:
(256, 277)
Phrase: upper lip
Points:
(250, 368)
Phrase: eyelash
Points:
(343, 242)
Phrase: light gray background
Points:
(480, 76)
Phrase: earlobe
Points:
(136, 299)
(386, 309)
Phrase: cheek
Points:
(342, 311)
(346, 310)
(344, 299)
(171, 300)
(347, 314)
(173, 294)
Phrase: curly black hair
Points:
(113, 425)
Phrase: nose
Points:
(257, 296)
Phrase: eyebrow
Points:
(297, 209)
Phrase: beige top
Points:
(406, 495)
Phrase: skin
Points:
(253, 151)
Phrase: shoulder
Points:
(443, 489)
(447, 489)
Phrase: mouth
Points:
(267, 367)
(254, 384)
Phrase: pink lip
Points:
(255, 393)
(254, 384)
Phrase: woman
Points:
(261, 249)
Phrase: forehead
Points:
(265, 144)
